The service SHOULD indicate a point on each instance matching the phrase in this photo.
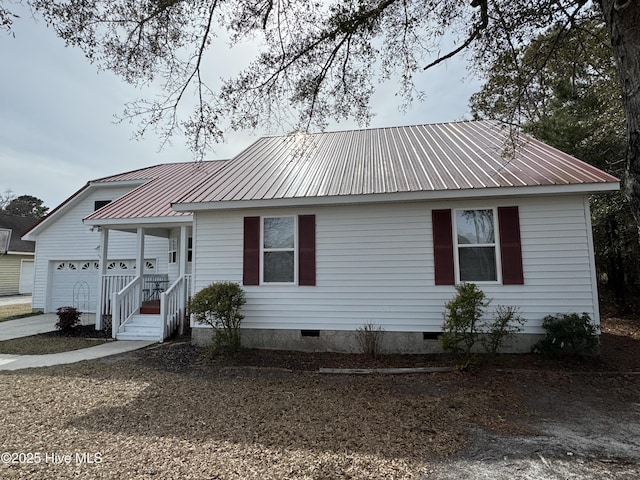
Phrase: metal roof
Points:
(162, 184)
(436, 157)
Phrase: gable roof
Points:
(153, 189)
(152, 199)
(18, 225)
(455, 157)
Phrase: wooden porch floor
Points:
(150, 307)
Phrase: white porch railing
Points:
(109, 285)
(154, 284)
(126, 303)
(173, 305)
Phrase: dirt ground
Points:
(581, 417)
(167, 412)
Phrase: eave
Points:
(433, 195)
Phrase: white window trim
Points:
(173, 250)
(496, 234)
(295, 250)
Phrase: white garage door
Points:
(26, 277)
(74, 284)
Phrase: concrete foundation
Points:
(345, 341)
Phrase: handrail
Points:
(125, 304)
(173, 306)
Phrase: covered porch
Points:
(150, 303)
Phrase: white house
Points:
(69, 270)
(328, 232)
(332, 231)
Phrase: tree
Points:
(27, 206)
(574, 105)
(5, 198)
(319, 59)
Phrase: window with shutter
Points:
(466, 247)
(273, 246)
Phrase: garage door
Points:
(74, 284)
(26, 277)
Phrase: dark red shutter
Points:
(251, 251)
(510, 246)
(307, 250)
(443, 247)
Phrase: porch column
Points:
(140, 261)
(184, 249)
(102, 270)
(184, 252)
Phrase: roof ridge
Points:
(157, 165)
(389, 127)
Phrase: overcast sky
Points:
(57, 127)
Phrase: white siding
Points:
(68, 238)
(375, 264)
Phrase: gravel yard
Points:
(166, 413)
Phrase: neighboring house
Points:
(328, 232)
(16, 263)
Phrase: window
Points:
(173, 250)
(278, 250)
(465, 246)
(98, 204)
(190, 250)
(476, 245)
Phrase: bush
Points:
(462, 319)
(370, 339)
(218, 305)
(464, 325)
(506, 324)
(568, 335)
(68, 318)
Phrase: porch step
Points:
(142, 327)
(150, 307)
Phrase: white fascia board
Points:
(11, 252)
(132, 222)
(475, 193)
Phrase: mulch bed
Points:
(79, 331)
(620, 352)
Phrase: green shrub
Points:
(462, 319)
(218, 305)
(464, 326)
(568, 335)
(370, 339)
(506, 323)
(68, 318)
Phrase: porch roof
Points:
(151, 201)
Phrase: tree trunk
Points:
(623, 22)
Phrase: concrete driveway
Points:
(25, 327)
(14, 299)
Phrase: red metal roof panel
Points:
(445, 156)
